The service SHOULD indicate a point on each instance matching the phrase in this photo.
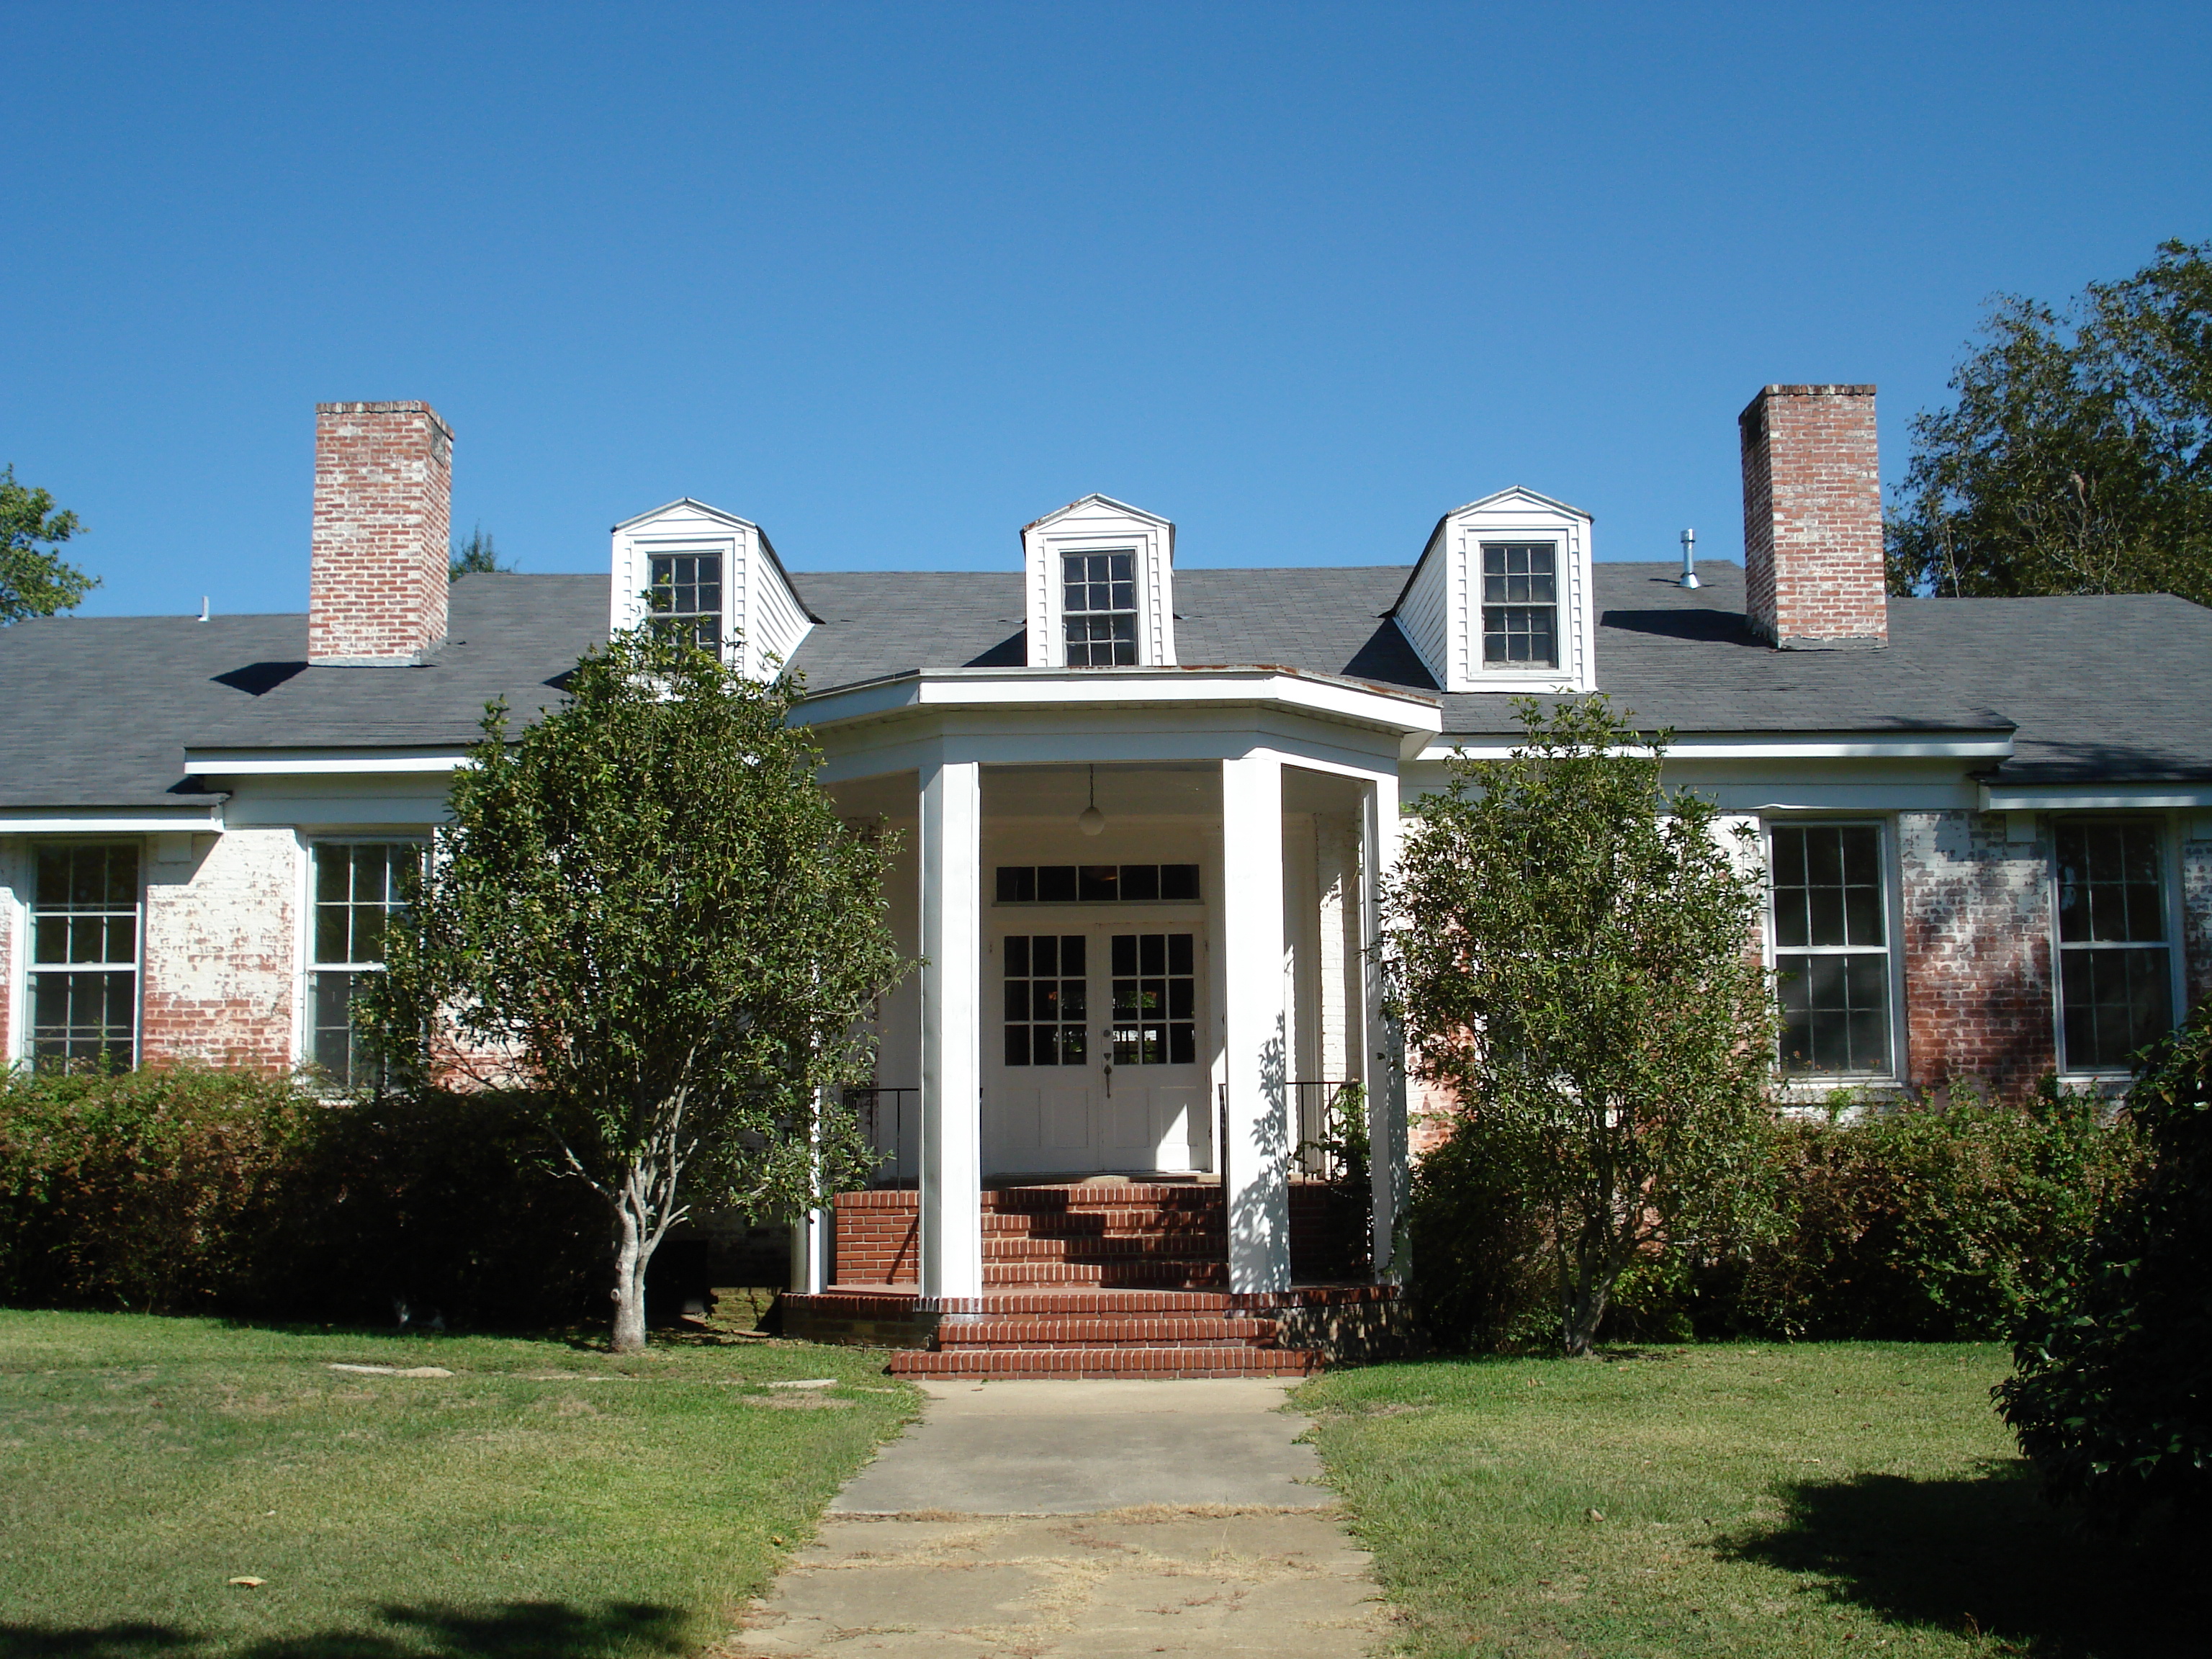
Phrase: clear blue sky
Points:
(893, 279)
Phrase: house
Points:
(1142, 813)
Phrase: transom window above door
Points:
(1155, 1000)
(1096, 883)
(1098, 609)
(1045, 999)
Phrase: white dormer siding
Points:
(749, 597)
(1097, 530)
(1461, 631)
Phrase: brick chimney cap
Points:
(404, 406)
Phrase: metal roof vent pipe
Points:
(1689, 560)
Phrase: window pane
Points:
(1140, 881)
(2114, 1002)
(1178, 881)
(1827, 885)
(2109, 886)
(1835, 1013)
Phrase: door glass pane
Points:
(1045, 1010)
(1154, 1000)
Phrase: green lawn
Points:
(1823, 1499)
(546, 1498)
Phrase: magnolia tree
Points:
(1571, 949)
(648, 915)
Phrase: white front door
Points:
(1095, 1064)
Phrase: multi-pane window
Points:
(1091, 884)
(359, 887)
(1098, 609)
(1832, 949)
(1520, 605)
(1044, 994)
(2115, 962)
(84, 957)
(686, 598)
(1155, 994)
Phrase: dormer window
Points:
(1499, 599)
(1098, 609)
(1098, 584)
(1520, 605)
(686, 597)
(710, 577)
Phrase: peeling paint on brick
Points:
(1976, 950)
(220, 964)
(2196, 918)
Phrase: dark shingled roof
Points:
(99, 711)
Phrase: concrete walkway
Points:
(1048, 1519)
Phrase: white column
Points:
(951, 1072)
(810, 1235)
(1254, 1028)
(1385, 1070)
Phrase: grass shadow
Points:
(1984, 1555)
(512, 1630)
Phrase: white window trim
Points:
(22, 1037)
(1812, 1086)
(2170, 901)
(303, 978)
(1563, 612)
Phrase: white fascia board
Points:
(101, 821)
(1759, 746)
(1091, 689)
(311, 762)
(2092, 797)
(698, 506)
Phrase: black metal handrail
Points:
(869, 1104)
(1331, 1129)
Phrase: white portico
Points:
(1136, 996)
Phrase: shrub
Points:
(2109, 1395)
(1931, 1220)
(179, 1188)
(136, 1189)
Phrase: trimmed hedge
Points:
(183, 1189)
(1933, 1220)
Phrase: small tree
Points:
(648, 914)
(34, 580)
(1571, 951)
(2110, 1393)
(477, 556)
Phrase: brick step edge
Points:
(1184, 1362)
(1054, 1249)
(1136, 1274)
(1127, 1330)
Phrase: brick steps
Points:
(1089, 1280)
(1105, 1330)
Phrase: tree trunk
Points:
(632, 1250)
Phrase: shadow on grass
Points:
(1986, 1555)
(512, 1630)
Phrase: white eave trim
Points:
(311, 762)
(2092, 797)
(1089, 689)
(1762, 746)
(109, 821)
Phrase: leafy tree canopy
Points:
(477, 556)
(1570, 953)
(648, 915)
(34, 581)
(2077, 457)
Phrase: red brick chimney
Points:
(384, 509)
(1812, 518)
